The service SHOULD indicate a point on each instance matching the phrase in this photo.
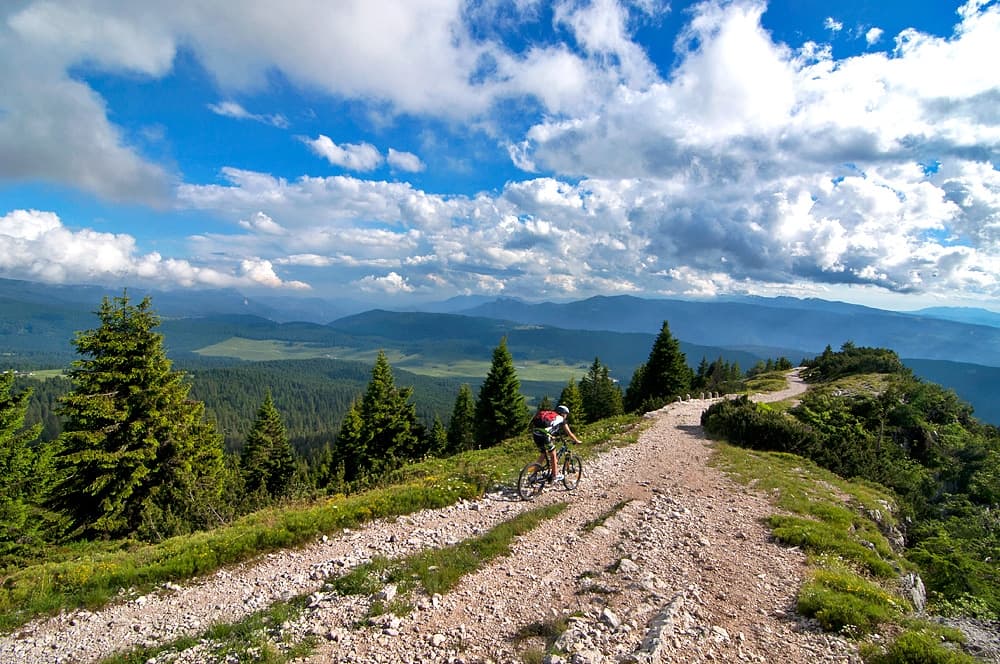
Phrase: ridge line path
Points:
(682, 569)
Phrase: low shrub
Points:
(842, 601)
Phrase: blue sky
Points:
(413, 150)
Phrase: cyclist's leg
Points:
(553, 462)
(543, 444)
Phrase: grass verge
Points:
(439, 570)
(601, 518)
(257, 638)
(852, 589)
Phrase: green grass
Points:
(843, 601)
(270, 349)
(45, 374)
(921, 645)
(90, 575)
(258, 350)
(767, 382)
(256, 638)
(601, 518)
(439, 570)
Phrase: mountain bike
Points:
(535, 475)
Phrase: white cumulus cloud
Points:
(352, 156)
(39, 247)
(404, 161)
(389, 284)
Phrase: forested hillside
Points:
(311, 395)
(974, 383)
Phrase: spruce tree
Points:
(389, 419)
(267, 461)
(570, 397)
(135, 452)
(501, 411)
(381, 430)
(437, 444)
(664, 375)
(545, 403)
(462, 425)
(350, 451)
(16, 460)
(600, 394)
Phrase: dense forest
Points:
(868, 417)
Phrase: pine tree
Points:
(664, 375)
(438, 439)
(381, 430)
(462, 425)
(267, 461)
(351, 447)
(633, 393)
(135, 453)
(16, 459)
(600, 394)
(570, 397)
(501, 411)
(389, 419)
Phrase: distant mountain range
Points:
(806, 326)
(962, 315)
(955, 347)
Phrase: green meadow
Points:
(262, 350)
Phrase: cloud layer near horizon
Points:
(750, 165)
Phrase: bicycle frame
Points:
(535, 475)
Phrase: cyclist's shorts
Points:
(543, 441)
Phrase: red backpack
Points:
(543, 419)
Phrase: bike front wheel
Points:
(572, 471)
(531, 481)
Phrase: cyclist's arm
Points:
(569, 432)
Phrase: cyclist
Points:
(544, 438)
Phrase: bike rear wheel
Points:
(531, 481)
(572, 471)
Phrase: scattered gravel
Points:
(680, 569)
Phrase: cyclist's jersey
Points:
(555, 426)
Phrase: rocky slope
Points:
(681, 569)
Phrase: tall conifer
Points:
(462, 425)
(267, 461)
(380, 430)
(501, 411)
(664, 375)
(135, 452)
(389, 418)
(600, 394)
(570, 397)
